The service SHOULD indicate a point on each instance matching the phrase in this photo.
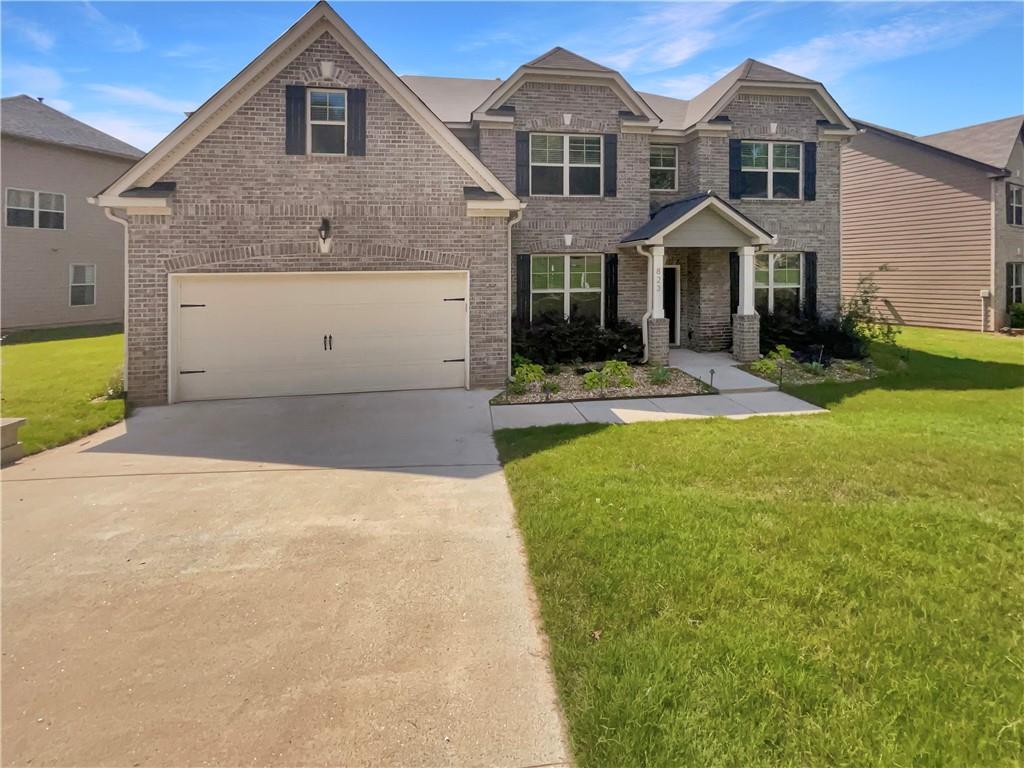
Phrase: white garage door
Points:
(260, 335)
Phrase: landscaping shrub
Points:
(595, 380)
(617, 374)
(528, 373)
(552, 340)
(659, 375)
(1017, 315)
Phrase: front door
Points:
(671, 288)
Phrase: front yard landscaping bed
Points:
(843, 591)
(567, 384)
(791, 371)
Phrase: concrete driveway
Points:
(327, 580)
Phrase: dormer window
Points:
(326, 121)
(771, 170)
(564, 165)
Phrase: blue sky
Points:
(133, 68)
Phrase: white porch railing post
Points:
(658, 268)
(746, 306)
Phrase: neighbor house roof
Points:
(28, 118)
(989, 143)
(925, 144)
(670, 216)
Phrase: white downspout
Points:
(650, 297)
(124, 223)
(508, 319)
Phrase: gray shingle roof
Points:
(560, 58)
(25, 117)
(452, 99)
(989, 143)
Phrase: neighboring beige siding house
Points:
(322, 225)
(62, 260)
(936, 221)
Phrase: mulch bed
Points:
(840, 370)
(570, 387)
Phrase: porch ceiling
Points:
(700, 221)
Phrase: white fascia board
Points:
(266, 66)
(758, 236)
(135, 206)
(492, 207)
(613, 80)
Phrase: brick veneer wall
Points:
(242, 204)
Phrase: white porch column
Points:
(658, 270)
(746, 281)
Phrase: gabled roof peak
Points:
(562, 58)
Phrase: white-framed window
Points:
(663, 168)
(778, 283)
(83, 285)
(1015, 204)
(1015, 290)
(34, 210)
(567, 286)
(565, 164)
(771, 169)
(326, 115)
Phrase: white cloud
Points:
(116, 35)
(143, 135)
(687, 86)
(830, 57)
(35, 35)
(35, 81)
(140, 97)
(182, 51)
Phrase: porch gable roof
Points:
(675, 215)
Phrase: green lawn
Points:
(51, 378)
(836, 590)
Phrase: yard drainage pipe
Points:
(124, 320)
(650, 298)
(509, 301)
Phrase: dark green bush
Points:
(1017, 315)
(812, 339)
(552, 340)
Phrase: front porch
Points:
(699, 269)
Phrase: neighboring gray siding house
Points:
(936, 221)
(322, 225)
(63, 260)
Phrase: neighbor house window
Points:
(663, 168)
(778, 280)
(565, 165)
(1015, 204)
(566, 286)
(38, 210)
(326, 122)
(771, 170)
(1015, 290)
(83, 285)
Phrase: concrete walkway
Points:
(738, 405)
(727, 378)
(331, 581)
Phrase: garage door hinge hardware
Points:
(183, 306)
(463, 298)
(455, 360)
(182, 373)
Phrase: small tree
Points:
(859, 314)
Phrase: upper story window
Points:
(327, 114)
(663, 168)
(562, 164)
(1014, 204)
(778, 281)
(566, 286)
(771, 170)
(35, 210)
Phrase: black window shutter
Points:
(735, 174)
(810, 170)
(295, 119)
(611, 164)
(356, 121)
(522, 163)
(1009, 199)
(523, 288)
(1009, 282)
(734, 282)
(611, 289)
(810, 284)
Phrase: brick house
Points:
(322, 225)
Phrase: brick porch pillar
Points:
(746, 337)
(657, 340)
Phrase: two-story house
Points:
(937, 222)
(63, 260)
(322, 225)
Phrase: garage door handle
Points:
(330, 342)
